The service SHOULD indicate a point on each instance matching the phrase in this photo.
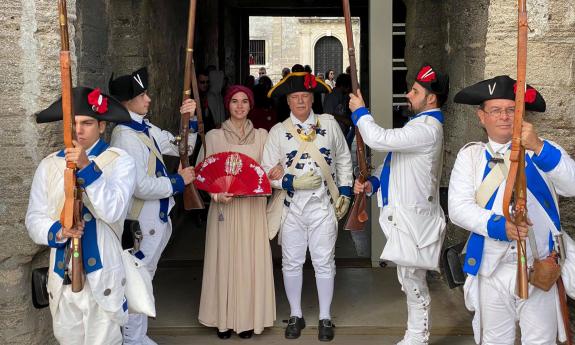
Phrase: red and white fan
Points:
(232, 172)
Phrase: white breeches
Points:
(414, 285)
(156, 236)
(315, 228)
(501, 309)
(79, 320)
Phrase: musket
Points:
(516, 185)
(192, 199)
(358, 214)
(71, 213)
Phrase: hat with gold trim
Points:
(299, 82)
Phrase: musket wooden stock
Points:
(516, 185)
(358, 214)
(192, 199)
(71, 213)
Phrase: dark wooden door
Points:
(328, 55)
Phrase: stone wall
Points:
(116, 36)
(92, 40)
(30, 81)
(165, 45)
(464, 60)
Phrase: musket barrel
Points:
(516, 184)
(71, 213)
(192, 198)
(358, 214)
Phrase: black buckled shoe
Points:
(325, 330)
(224, 335)
(246, 334)
(294, 327)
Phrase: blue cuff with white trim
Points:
(177, 183)
(374, 184)
(346, 191)
(89, 174)
(358, 113)
(52, 241)
(548, 158)
(287, 182)
(496, 227)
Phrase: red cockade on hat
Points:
(98, 102)
(426, 74)
(309, 81)
(530, 94)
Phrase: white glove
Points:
(341, 206)
(307, 181)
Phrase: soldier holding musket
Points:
(153, 195)
(93, 315)
(407, 186)
(476, 192)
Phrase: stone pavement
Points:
(368, 308)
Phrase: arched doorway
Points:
(328, 52)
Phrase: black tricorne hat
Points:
(126, 87)
(299, 82)
(87, 102)
(500, 87)
(434, 81)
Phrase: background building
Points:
(278, 42)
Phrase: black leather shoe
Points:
(246, 334)
(225, 335)
(325, 330)
(294, 327)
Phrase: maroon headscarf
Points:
(232, 90)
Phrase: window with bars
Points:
(257, 52)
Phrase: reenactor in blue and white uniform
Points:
(94, 315)
(476, 191)
(407, 186)
(318, 176)
(152, 199)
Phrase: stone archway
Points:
(328, 54)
